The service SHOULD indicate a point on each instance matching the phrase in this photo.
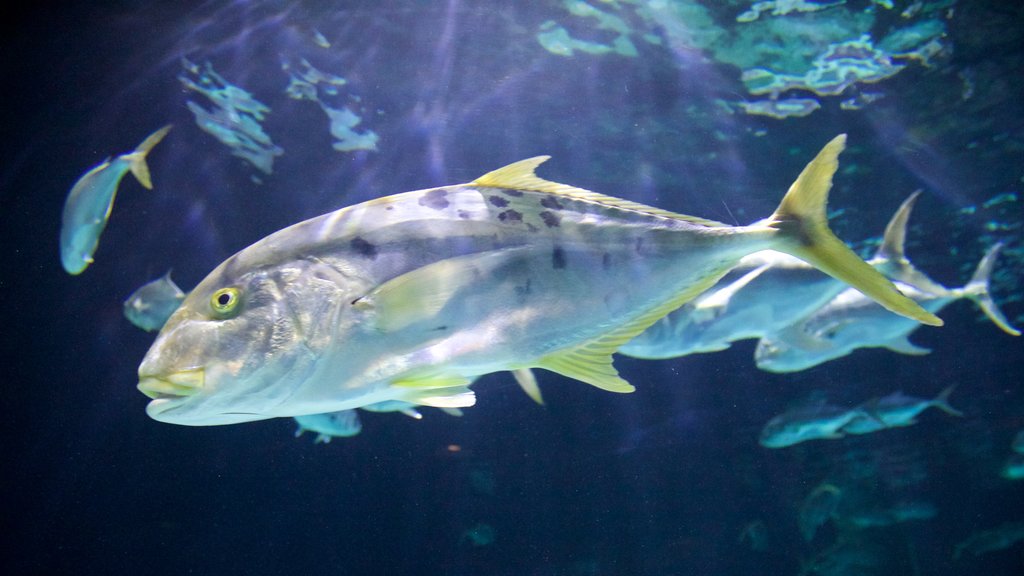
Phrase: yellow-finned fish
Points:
(88, 205)
(412, 296)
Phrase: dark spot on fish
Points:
(435, 199)
(498, 201)
(551, 202)
(606, 261)
(639, 245)
(389, 207)
(440, 328)
(551, 219)
(363, 248)
(523, 291)
(531, 227)
(512, 192)
(463, 214)
(558, 258)
(510, 216)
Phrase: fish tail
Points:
(978, 291)
(942, 402)
(800, 219)
(137, 159)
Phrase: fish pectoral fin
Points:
(527, 380)
(420, 294)
(904, 346)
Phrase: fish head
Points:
(776, 355)
(241, 344)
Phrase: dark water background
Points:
(661, 481)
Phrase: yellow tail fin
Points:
(801, 218)
(137, 159)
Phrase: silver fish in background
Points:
(764, 294)
(897, 513)
(152, 304)
(815, 420)
(340, 424)
(985, 541)
(897, 410)
(91, 199)
(412, 296)
(850, 322)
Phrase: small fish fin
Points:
(942, 402)
(903, 345)
(412, 413)
(456, 397)
(452, 411)
(978, 291)
(527, 380)
(137, 159)
(322, 439)
(801, 219)
(869, 410)
(520, 176)
(299, 431)
(719, 300)
(421, 293)
(795, 335)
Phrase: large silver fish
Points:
(88, 205)
(412, 296)
(765, 293)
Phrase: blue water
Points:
(661, 481)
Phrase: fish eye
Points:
(225, 301)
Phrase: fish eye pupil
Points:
(224, 299)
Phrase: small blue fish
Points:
(340, 424)
(88, 205)
(151, 305)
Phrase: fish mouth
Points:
(172, 386)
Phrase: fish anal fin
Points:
(591, 361)
(586, 365)
(520, 176)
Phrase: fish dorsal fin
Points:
(520, 176)
(891, 258)
(591, 361)
(719, 299)
(895, 236)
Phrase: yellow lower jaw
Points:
(185, 383)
